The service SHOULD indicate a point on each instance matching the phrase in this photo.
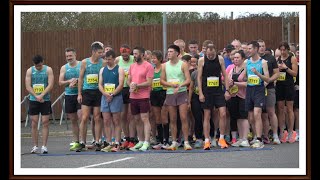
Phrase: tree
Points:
(210, 16)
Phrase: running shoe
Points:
(223, 143)
(34, 149)
(44, 150)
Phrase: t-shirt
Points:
(272, 64)
(139, 74)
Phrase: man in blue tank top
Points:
(111, 78)
(89, 95)
(69, 74)
(257, 74)
(39, 82)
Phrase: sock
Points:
(207, 140)
(160, 132)
(166, 132)
(275, 136)
(81, 142)
(234, 134)
(131, 139)
(146, 142)
(259, 138)
(221, 136)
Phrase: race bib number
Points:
(234, 89)
(174, 81)
(282, 76)
(156, 83)
(38, 88)
(212, 81)
(92, 78)
(109, 88)
(254, 79)
(126, 73)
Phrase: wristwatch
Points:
(287, 68)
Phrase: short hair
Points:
(148, 52)
(210, 46)
(195, 56)
(175, 47)
(96, 46)
(260, 40)
(254, 44)
(158, 55)
(70, 49)
(236, 40)
(125, 46)
(206, 42)
(110, 53)
(141, 49)
(285, 44)
(37, 59)
(193, 41)
(186, 57)
(180, 41)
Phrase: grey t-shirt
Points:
(194, 78)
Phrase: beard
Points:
(138, 59)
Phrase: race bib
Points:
(294, 79)
(126, 73)
(174, 81)
(38, 88)
(156, 83)
(92, 78)
(282, 76)
(196, 90)
(234, 89)
(109, 88)
(212, 81)
(254, 79)
(265, 92)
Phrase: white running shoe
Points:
(44, 150)
(34, 149)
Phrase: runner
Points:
(175, 75)
(111, 79)
(128, 127)
(69, 74)
(39, 82)
(211, 95)
(140, 81)
(236, 104)
(269, 113)
(89, 95)
(285, 91)
(255, 66)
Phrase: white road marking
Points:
(109, 162)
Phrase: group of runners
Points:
(242, 96)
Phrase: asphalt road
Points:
(271, 156)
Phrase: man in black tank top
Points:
(210, 92)
(269, 111)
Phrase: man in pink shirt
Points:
(140, 77)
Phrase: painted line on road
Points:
(109, 162)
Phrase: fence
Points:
(51, 45)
